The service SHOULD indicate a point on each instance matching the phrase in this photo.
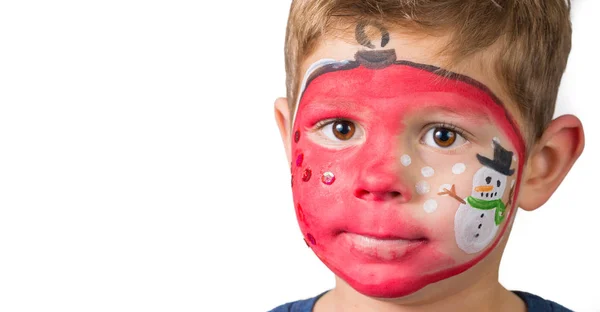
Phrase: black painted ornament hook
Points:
(363, 39)
(374, 59)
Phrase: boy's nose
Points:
(381, 180)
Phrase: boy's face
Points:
(402, 174)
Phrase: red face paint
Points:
(364, 226)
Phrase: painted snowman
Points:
(480, 215)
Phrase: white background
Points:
(141, 168)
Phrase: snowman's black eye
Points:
(498, 183)
(488, 180)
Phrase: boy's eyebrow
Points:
(342, 103)
(479, 114)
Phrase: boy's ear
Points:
(282, 117)
(550, 160)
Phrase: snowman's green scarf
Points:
(487, 205)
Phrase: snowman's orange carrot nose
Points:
(484, 188)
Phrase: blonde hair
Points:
(534, 38)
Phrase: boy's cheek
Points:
(321, 182)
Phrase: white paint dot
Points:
(459, 168)
(513, 183)
(427, 172)
(496, 139)
(405, 160)
(430, 206)
(445, 187)
(515, 157)
(423, 187)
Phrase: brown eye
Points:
(343, 129)
(444, 137)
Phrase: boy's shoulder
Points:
(538, 304)
(534, 304)
(305, 305)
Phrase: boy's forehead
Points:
(402, 80)
(417, 48)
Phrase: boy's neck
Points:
(484, 295)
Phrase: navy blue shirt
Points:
(533, 303)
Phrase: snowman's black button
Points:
(479, 226)
(482, 215)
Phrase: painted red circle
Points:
(311, 238)
(300, 160)
(306, 175)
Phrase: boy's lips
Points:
(385, 247)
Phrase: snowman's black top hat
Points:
(501, 162)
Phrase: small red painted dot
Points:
(297, 136)
(299, 160)
(306, 175)
(311, 239)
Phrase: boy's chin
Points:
(389, 290)
(393, 280)
(389, 287)
(404, 280)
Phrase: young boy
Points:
(414, 131)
